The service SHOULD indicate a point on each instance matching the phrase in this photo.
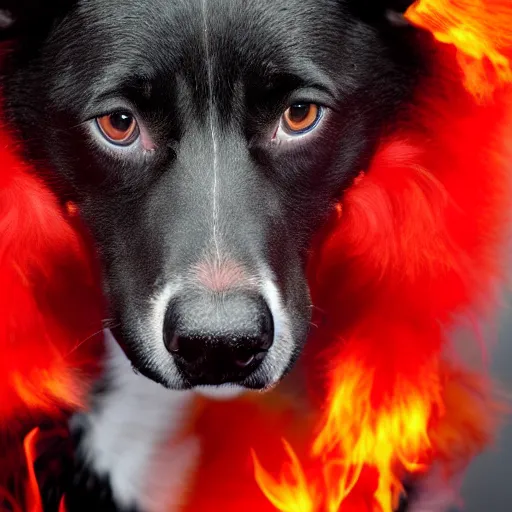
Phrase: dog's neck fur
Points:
(126, 434)
(137, 438)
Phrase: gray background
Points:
(488, 486)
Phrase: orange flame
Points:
(292, 493)
(32, 493)
(481, 32)
(392, 424)
(33, 497)
(393, 440)
(390, 438)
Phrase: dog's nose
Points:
(216, 340)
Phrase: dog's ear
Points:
(397, 5)
(389, 11)
(27, 16)
(14, 15)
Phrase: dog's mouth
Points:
(161, 367)
(187, 337)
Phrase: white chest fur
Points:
(127, 438)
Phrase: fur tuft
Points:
(414, 245)
(479, 30)
(50, 305)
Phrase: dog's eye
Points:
(120, 128)
(301, 118)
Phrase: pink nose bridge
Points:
(221, 276)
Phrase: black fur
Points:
(184, 72)
(150, 213)
(84, 489)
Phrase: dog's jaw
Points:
(226, 392)
(149, 332)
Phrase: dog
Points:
(205, 143)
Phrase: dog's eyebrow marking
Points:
(209, 71)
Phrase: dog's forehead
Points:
(177, 33)
(103, 44)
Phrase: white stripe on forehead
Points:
(209, 69)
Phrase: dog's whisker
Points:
(85, 340)
(318, 309)
(109, 323)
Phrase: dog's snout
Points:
(216, 340)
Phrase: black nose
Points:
(216, 340)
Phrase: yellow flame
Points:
(354, 436)
(481, 32)
(391, 437)
(292, 492)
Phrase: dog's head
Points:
(204, 143)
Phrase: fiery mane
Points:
(411, 249)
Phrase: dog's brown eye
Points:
(301, 117)
(119, 128)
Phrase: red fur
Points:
(49, 301)
(416, 243)
(418, 239)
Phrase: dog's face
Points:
(204, 143)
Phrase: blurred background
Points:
(488, 485)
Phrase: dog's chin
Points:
(222, 392)
(170, 377)
(226, 391)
